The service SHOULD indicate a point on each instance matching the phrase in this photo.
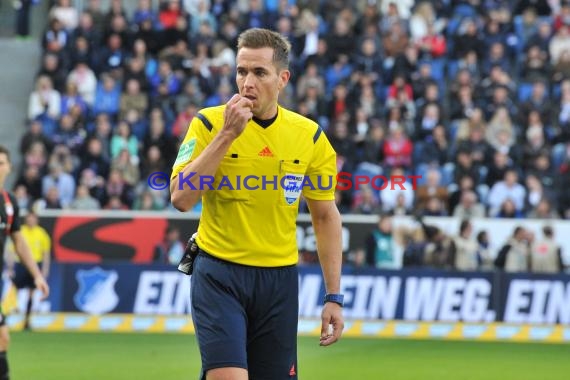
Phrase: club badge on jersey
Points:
(9, 213)
(292, 186)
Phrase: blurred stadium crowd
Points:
(474, 96)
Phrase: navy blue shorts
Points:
(22, 277)
(246, 317)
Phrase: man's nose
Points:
(249, 80)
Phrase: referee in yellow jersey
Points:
(249, 161)
(40, 247)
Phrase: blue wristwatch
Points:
(336, 298)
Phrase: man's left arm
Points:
(328, 231)
(23, 251)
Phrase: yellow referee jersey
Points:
(38, 240)
(250, 209)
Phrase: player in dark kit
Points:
(10, 227)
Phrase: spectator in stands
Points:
(560, 42)
(537, 108)
(84, 79)
(380, 245)
(500, 124)
(72, 103)
(171, 249)
(68, 133)
(52, 68)
(372, 147)
(157, 135)
(107, 96)
(23, 199)
(146, 202)
(464, 166)
(433, 207)
(535, 192)
(429, 118)
(88, 32)
(63, 183)
(465, 183)
(50, 201)
(34, 134)
(66, 13)
(95, 183)
(144, 11)
(561, 70)
(180, 126)
(115, 203)
(432, 188)
(468, 207)
(436, 148)
(508, 210)
(536, 140)
(62, 156)
(476, 120)
(390, 198)
(31, 179)
(397, 148)
(127, 166)
(509, 188)
(124, 139)
(83, 200)
(117, 187)
(133, 98)
(365, 202)
(94, 159)
(543, 210)
(546, 255)
(45, 101)
(468, 39)
(55, 39)
(498, 168)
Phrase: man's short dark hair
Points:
(547, 231)
(5, 150)
(257, 38)
(464, 224)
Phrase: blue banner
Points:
(370, 294)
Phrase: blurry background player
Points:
(10, 227)
(40, 246)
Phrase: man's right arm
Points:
(185, 196)
(185, 187)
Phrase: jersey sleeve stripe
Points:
(206, 122)
(317, 134)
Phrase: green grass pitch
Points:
(126, 356)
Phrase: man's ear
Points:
(284, 76)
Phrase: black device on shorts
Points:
(186, 264)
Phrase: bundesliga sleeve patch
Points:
(185, 151)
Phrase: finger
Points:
(245, 102)
(324, 327)
(328, 340)
(234, 99)
(337, 330)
